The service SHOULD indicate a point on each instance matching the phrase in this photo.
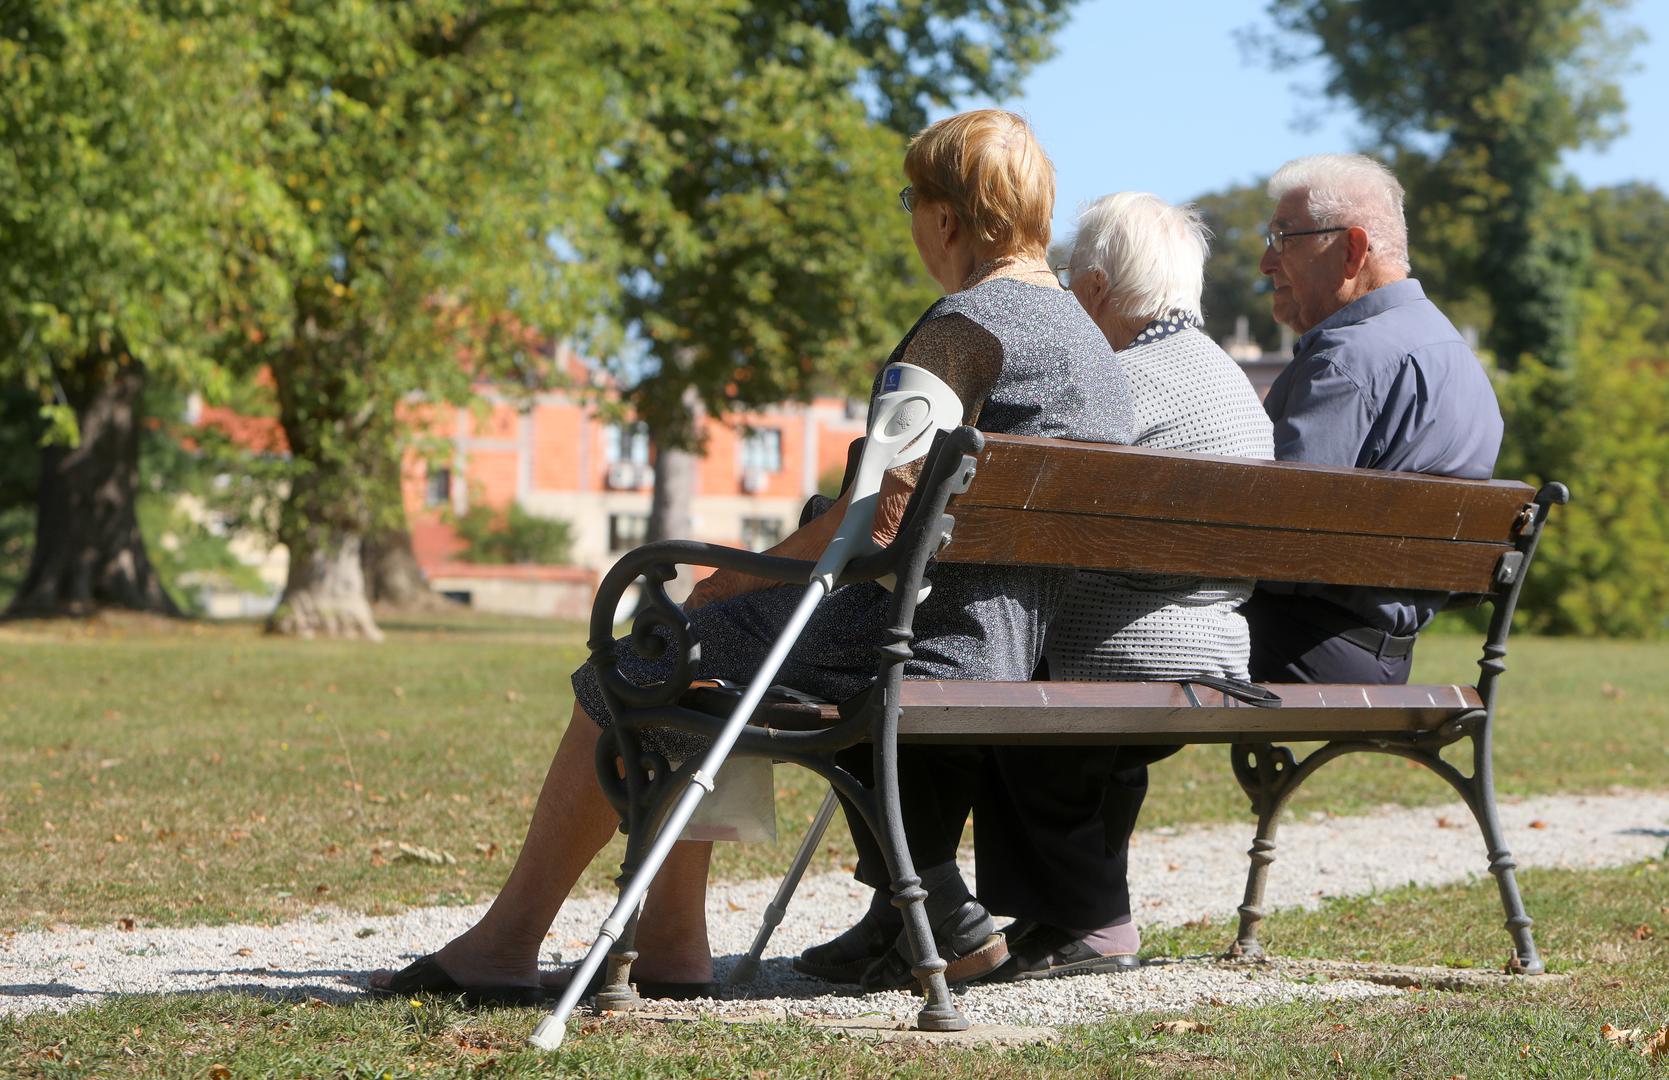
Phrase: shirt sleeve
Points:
(1326, 420)
(962, 353)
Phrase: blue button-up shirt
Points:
(1386, 382)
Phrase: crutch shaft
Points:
(548, 1035)
(748, 966)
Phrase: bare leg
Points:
(571, 823)
(672, 934)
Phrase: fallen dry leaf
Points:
(1643, 933)
(1625, 1036)
(1447, 823)
(733, 905)
(419, 853)
(1538, 824)
(125, 923)
(246, 952)
(1657, 1046)
(219, 1072)
(1180, 1027)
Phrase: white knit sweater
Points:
(1190, 396)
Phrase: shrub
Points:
(515, 536)
(1602, 428)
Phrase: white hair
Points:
(1153, 253)
(1350, 190)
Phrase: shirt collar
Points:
(1171, 322)
(1362, 308)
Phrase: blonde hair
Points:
(989, 167)
(1152, 253)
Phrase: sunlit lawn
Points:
(177, 773)
(189, 773)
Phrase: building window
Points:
(762, 451)
(761, 533)
(627, 531)
(627, 444)
(438, 489)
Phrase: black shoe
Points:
(1038, 951)
(847, 957)
(425, 976)
(965, 939)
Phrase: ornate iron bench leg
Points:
(1481, 796)
(939, 1013)
(617, 993)
(1265, 773)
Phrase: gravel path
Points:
(1178, 875)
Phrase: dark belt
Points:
(1341, 624)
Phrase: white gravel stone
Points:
(1177, 876)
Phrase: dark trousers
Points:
(1052, 824)
(1288, 647)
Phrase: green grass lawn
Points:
(188, 773)
(180, 773)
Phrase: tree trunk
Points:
(671, 513)
(393, 579)
(88, 552)
(324, 594)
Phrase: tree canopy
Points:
(1479, 100)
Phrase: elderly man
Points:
(1380, 379)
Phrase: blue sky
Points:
(1158, 97)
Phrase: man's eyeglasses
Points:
(1063, 274)
(907, 198)
(1276, 239)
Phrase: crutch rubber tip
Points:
(744, 971)
(548, 1035)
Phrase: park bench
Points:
(1015, 501)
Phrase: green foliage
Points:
(1628, 225)
(121, 184)
(1479, 100)
(1602, 428)
(436, 165)
(756, 233)
(1234, 286)
(513, 537)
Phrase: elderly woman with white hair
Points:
(1137, 267)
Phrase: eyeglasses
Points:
(1063, 274)
(1276, 239)
(907, 198)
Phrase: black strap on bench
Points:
(1239, 689)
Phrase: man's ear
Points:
(1356, 249)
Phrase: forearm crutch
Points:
(748, 966)
(912, 405)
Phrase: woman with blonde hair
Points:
(1023, 358)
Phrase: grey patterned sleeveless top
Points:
(1059, 380)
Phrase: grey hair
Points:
(1350, 189)
(1153, 253)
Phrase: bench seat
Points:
(1083, 713)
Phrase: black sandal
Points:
(425, 976)
(847, 957)
(964, 939)
(1037, 951)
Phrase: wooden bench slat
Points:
(1084, 713)
(1095, 478)
(1012, 537)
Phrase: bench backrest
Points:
(1046, 502)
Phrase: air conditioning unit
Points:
(753, 481)
(626, 476)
